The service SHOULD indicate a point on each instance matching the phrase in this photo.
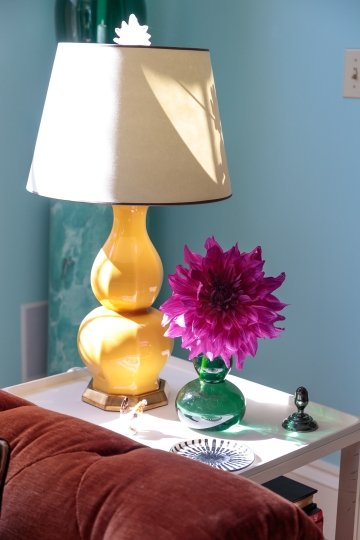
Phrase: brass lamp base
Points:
(113, 402)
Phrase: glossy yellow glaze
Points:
(122, 342)
(124, 352)
(127, 273)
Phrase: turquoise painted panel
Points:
(77, 233)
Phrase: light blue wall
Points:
(27, 44)
(293, 148)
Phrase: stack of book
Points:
(299, 494)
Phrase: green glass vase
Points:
(210, 403)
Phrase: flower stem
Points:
(204, 361)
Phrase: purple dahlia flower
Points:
(222, 303)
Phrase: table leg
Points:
(347, 519)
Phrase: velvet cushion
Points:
(71, 480)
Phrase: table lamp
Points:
(130, 126)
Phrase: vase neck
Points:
(211, 371)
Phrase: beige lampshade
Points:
(130, 125)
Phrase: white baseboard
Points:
(324, 477)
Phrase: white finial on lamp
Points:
(132, 33)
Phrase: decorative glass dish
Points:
(226, 455)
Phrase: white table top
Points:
(277, 451)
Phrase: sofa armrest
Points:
(69, 479)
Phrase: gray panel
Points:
(34, 340)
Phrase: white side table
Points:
(277, 451)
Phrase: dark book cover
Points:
(316, 514)
(293, 491)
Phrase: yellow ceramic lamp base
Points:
(127, 273)
(124, 352)
(122, 342)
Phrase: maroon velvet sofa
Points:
(71, 480)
